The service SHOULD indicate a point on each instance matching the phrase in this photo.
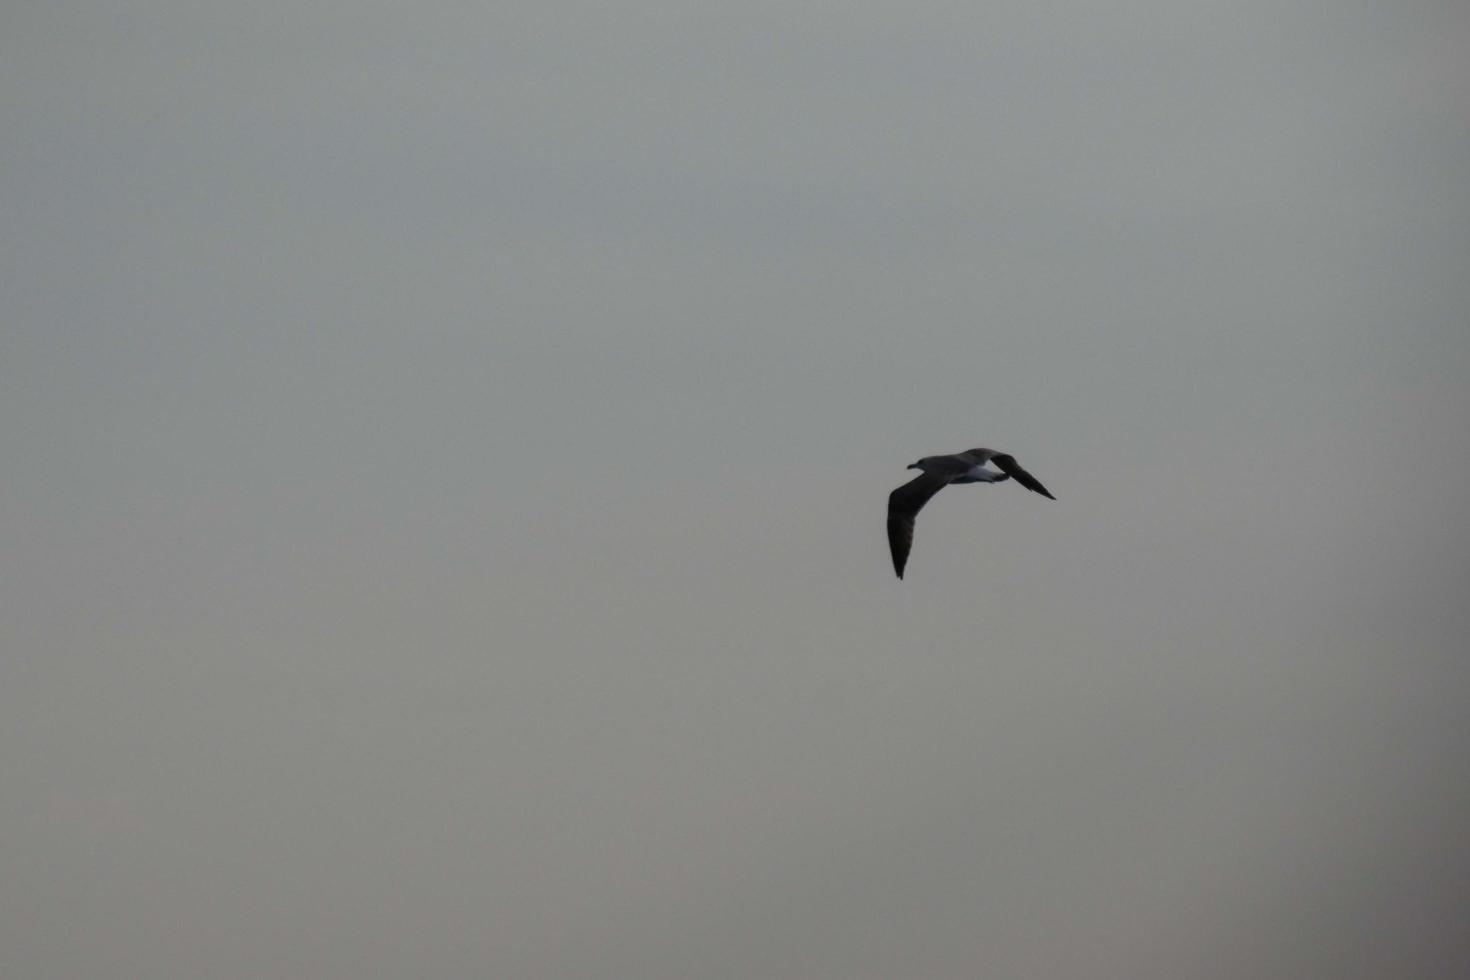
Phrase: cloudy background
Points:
(444, 457)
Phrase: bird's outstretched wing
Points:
(904, 504)
(1009, 465)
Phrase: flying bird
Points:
(937, 473)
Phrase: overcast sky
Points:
(443, 454)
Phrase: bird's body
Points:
(938, 472)
(979, 474)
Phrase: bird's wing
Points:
(977, 457)
(1009, 465)
(903, 504)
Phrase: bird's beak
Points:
(912, 466)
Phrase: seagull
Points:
(937, 473)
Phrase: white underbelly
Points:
(980, 475)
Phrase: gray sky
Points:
(445, 449)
